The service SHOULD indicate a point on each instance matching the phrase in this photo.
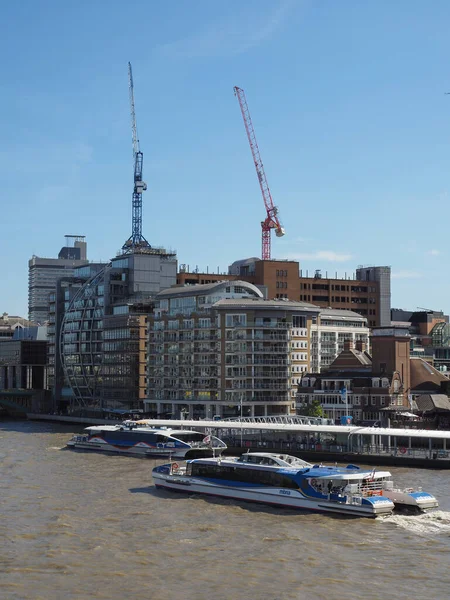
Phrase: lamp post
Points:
(241, 417)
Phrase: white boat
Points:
(133, 437)
(278, 479)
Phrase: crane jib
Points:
(271, 221)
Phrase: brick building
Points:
(368, 293)
(363, 385)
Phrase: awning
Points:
(408, 414)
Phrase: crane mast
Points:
(137, 240)
(271, 221)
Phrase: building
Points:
(362, 385)
(23, 371)
(222, 349)
(100, 330)
(382, 277)
(43, 274)
(367, 293)
(9, 324)
(60, 300)
(330, 331)
(430, 335)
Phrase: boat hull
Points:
(288, 498)
(411, 500)
(143, 450)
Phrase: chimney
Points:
(360, 346)
(348, 345)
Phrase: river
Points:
(79, 525)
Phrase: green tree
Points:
(313, 410)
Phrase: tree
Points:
(312, 410)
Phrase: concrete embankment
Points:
(67, 419)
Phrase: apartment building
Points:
(222, 349)
(330, 331)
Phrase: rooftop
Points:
(340, 313)
(260, 303)
(206, 288)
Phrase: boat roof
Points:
(342, 473)
(351, 472)
(124, 427)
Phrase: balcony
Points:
(271, 348)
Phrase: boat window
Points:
(257, 460)
(189, 436)
(245, 475)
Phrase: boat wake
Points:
(436, 522)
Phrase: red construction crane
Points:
(271, 221)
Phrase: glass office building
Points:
(100, 341)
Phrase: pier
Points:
(304, 437)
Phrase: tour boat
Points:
(137, 438)
(284, 480)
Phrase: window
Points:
(299, 321)
(236, 320)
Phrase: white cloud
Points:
(327, 255)
(434, 252)
(232, 37)
(406, 275)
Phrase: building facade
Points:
(364, 386)
(367, 293)
(23, 373)
(10, 324)
(330, 331)
(222, 349)
(100, 334)
(43, 274)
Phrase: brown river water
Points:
(81, 525)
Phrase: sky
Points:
(348, 104)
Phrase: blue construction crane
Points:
(137, 240)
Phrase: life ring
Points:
(313, 482)
(175, 467)
(402, 450)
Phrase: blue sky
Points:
(347, 99)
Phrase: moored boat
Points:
(277, 479)
(134, 438)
